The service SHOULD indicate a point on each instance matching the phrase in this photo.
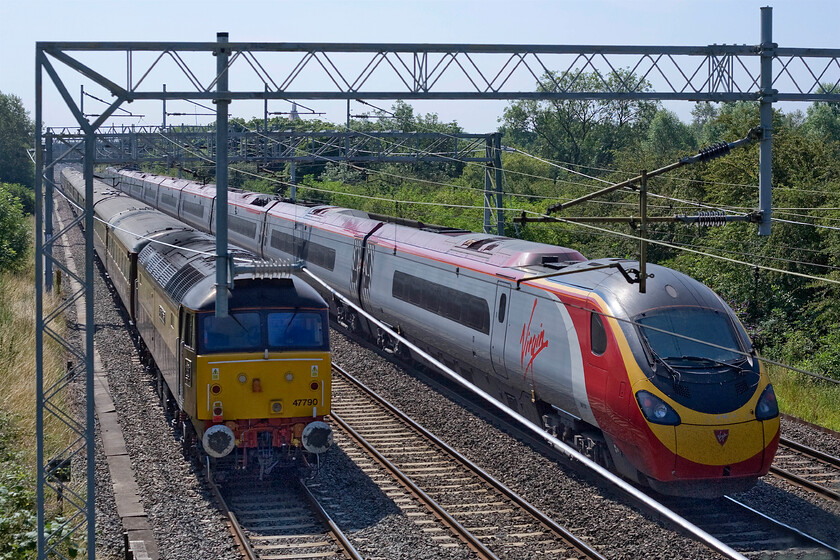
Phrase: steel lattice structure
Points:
(764, 73)
(129, 144)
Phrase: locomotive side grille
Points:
(682, 390)
(182, 281)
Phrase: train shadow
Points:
(355, 501)
(815, 516)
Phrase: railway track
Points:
(808, 468)
(280, 519)
(476, 509)
(750, 532)
(737, 525)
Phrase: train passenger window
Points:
(461, 307)
(236, 332)
(597, 335)
(296, 329)
(502, 305)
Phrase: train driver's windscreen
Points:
(296, 329)
(691, 325)
(255, 331)
(236, 332)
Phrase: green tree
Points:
(14, 232)
(579, 131)
(668, 136)
(16, 136)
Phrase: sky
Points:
(796, 23)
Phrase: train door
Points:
(356, 269)
(187, 362)
(498, 328)
(607, 387)
(365, 277)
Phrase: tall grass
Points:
(17, 359)
(805, 397)
(18, 441)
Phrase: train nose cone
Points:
(218, 440)
(317, 437)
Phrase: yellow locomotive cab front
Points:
(242, 386)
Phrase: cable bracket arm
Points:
(706, 154)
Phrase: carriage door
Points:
(186, 355)
(498, 327)
(355, 269)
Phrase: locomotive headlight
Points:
(242, 378)
(767, 406)
(656, 410)
(276, 407)
(289, 376)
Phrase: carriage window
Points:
(464, 308)
(237, 331)
(296, 329)
(502, 305)
(597, 335)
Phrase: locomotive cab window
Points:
(296, 329)
(236, 332)
(597, 335)
(189, 330)
(691, 333)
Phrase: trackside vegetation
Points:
(18, 520)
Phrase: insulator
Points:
(710, 218)
(715, 150)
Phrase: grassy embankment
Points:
(804, 397)
(18, 521)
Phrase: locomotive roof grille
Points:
(158, 267)
(183, 281)
(482, 244)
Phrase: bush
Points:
(14, 232)
(25, 195)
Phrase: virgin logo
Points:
(532, 344)
(722, 436)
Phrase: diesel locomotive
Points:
(663, 387)
(254, 385)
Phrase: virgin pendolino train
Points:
(256, 382)
(664, 387)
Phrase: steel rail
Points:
(785, 526)
(238, 533)
(459, 530)
(325, 518)
(811, 453)
(552, 525)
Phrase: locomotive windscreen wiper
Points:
(675, 374)
(706, 360)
